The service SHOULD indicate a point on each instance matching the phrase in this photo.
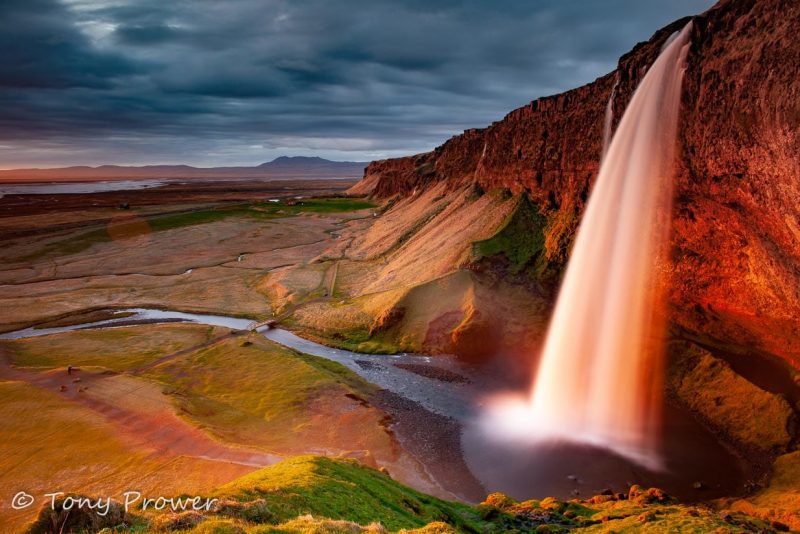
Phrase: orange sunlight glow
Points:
(600, 375)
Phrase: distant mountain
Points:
(284, 167)
(308, 161)
(317, 163)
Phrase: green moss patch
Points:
(344, 490)
(521, 240)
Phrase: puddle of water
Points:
(62, 188)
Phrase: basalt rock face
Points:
(736, 229)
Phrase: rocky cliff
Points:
(736, 229)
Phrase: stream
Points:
(442, 398)
(452, 393)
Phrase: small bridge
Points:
(269, 323)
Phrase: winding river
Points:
(446, 399)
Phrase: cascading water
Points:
(599, 378)
(609, 118)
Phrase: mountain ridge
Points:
(288, 166)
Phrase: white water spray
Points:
(599, 380)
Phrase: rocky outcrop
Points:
(736, 269)
(744, 414)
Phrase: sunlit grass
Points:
(117, 349)
(50, 444)
(344, 490)
(255, 392)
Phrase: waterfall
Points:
(609, 117)
(600, 374)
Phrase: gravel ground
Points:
(434, 440)
(436, 373)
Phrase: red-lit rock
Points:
(736, 275)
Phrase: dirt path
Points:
(139, 410)
(328, 282)
(334, 272)
(214, 341)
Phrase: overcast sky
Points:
(208, 82)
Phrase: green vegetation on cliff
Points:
(532, 242)
(521, 239)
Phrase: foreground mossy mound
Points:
(343, 490)
(309, 494)
(780, 499)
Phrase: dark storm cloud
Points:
(145, 35)
(208, 82)
(39, 50)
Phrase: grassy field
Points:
(116, 349)
(131, 225)
(252, 391)
(246, 392)
(47, 445)
(258, 210)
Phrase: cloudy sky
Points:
(209, 82)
